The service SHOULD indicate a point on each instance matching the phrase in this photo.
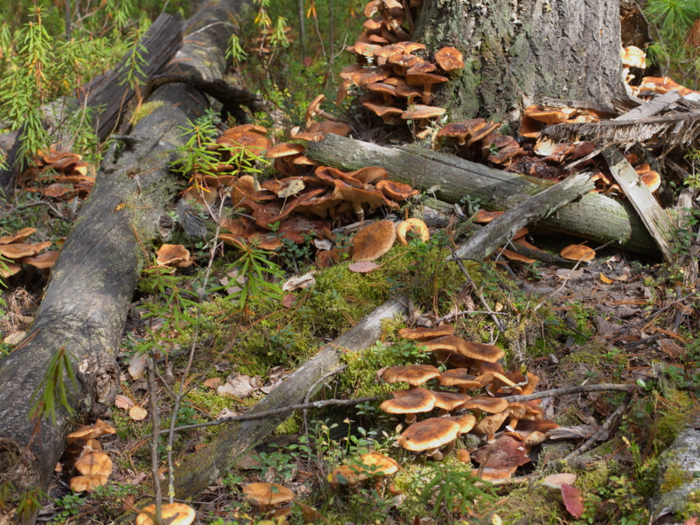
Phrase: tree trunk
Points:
(91, 287)
(593, 216)
(518, 51)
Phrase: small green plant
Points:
(29, 503)
(454, 491)
(69, 506)
(53, 388)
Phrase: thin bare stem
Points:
(581, 389)
(155, 421)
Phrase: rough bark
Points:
(87, 299)
(199, 470)
(517, 51)
(456, 178)
(484, 242)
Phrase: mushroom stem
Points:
(411, 418)
(435, 453)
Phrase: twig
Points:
(604, 428)
(568, 390)
(277, 411)
(154, 441)
(171, 434)
(650, 317)
(212, 252)
(495, 318)
(310, 391)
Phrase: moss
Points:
(674, 477)
(146, 109)
(673, 421)
(536, 505)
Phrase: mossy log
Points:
(201, 469)
(91, 287)
(593, 216)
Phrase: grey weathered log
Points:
(91, 287)
(201, 469)
(516, 52)
(681, 462)
(484, 242)
(593, 216)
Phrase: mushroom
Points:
(283, 154)
(489, 425)
(173, 255)
(42, 261)
(19, 250)
(449, 59)
(578, 252)
(402, 62)
(414, 375)
(373, 241)
(409, 402)
(490, 405)
(372, 464)
(18, 237)
(415, 226)
(449, 401)
(426, 80)
(396, 191)
(429, 436)
(461, 130)
(388, 114)
(329, 126)
(421, 334)
(387, 91)
(518, 411)
(171, 513)
(314, 110)
(267, 496)
(408, 92)
(422, 114)
(478, 351)
(369, 75)
(461, 378)
(651, 180)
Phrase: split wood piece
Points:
(498, 190)
(87, 300)
(655, 218)
(199, 470)
(485, 242)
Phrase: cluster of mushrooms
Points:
(474, 366)
(84, 455)
(60, 175)
(14, 248)
(391, 71)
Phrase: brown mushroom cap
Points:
(172, 513)
(369, 75)
(348, 71)
(478, 351)
(576, 252)
(328, 126)
(17, 251)
(373, 241)
(459, 377)
(449, 400)
(506, 452)
(263, 496)
(465, 422)
(18, 237)
(387, 113)
(415, 226)
(489, 425)
(351, 474)
(12, 269)
(449, 58)
(379, 464)
(651, 180)
(421, 67)
(429, 434)
(491, 405)
(412, 401)
(41, 261)
(252, 128)
(548, 117)
(420, 334)
(172, 254)
(414, 375)
(284, 149)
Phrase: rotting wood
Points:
(200, 469)
(88, 296)
(651, 108)
(497, 232)
(454, 178)
(655, 218)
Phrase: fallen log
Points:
(91, 287)
(200, 469)
(484, 242)
(593, 216)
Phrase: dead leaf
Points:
(240, 386)
(294, 187)
(226, 412)
(605, 280)
(565, 273)
(212, 382)
(138, 413)
(14, 338)
(323, 244)
(363, 267)
(123, 402)
(573, 500)
(288, 300)
(137, 366)
(555, 481)
(309, 514)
